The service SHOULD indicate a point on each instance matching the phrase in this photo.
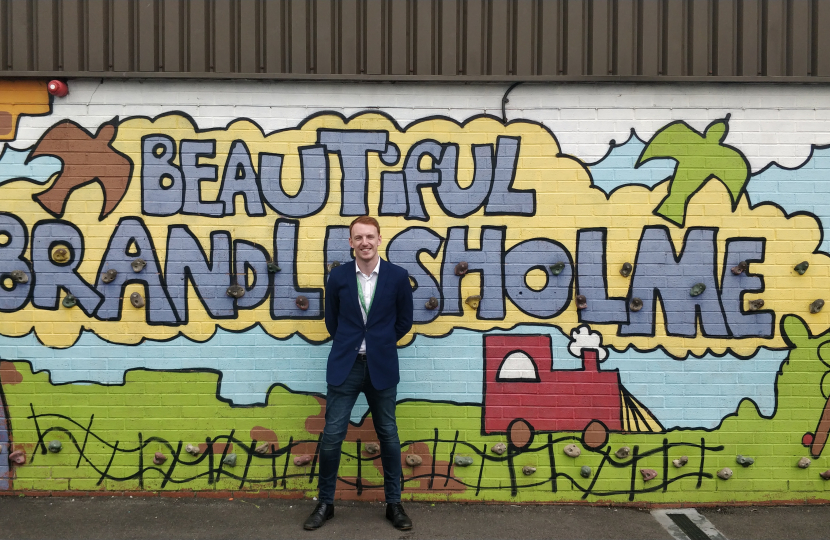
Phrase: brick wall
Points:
(619, 239)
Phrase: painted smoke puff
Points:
(524, 364)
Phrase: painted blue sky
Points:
(696, 392)
(13, 166)
(618, 167)
(803, 189)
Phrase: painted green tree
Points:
(700, 157)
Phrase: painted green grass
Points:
(182, 408)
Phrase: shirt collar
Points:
(375, 271)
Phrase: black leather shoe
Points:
(318, 518)
(399, 519)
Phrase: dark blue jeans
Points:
(339, 403)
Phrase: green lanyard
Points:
(360, 295)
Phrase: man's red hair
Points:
(366, 220)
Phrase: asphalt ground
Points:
(239, 519)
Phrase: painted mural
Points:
(646, 327)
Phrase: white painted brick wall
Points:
(771, 122)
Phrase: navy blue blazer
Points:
(390, 318)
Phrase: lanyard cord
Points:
(362, 300)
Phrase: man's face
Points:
(365, 240)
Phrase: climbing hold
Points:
(648, 474)
(262, 448)
(192, 450)
(413, 460)
(557, 268)
(725, 473)
(69, 300)
(697, 289)
(680, 461)
(236, 291)
(109, 276)
(585, 471)
(432, 303)
(801, 267)
(18, 457)
(19, 276)
(229, 460)
(60, 255)
(746, 461)
(636, 304)
(755, 305)
(138, 265)
(55, 446)
(572, 450)
(626, 269)
(461, 268)
(499, 448)
(473, 301)
(273, 268)
(528, 470)
(816, 306)
(581, 301)
(804, 462)
(302, 461)
(825, 474)
(137, 300)
(741, 268)
(301, 302)
(463, 461)
(332, 265)
(159, 458)
(371, 448)
(623, 452)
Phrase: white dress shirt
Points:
(368, 283)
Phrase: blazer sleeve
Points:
(332, 306)
(403, 321)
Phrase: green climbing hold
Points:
(55, 446)
(230, 460)
(272, 267)
(69, 301)
(557, 268)
(744, 461)
(585, 471)
(802, 267)
(697, 289)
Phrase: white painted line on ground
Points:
(702, 523)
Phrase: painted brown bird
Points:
(85, 159)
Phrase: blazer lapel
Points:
(383, 276)
(354, 300)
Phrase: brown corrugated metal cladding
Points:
(761, 40)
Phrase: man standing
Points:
(368, 309)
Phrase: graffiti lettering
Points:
(239, 178)
(131, 240)
(187, 260)
(13, 295)
(53, 276)
(658, 273)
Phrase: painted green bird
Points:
(700, 157)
